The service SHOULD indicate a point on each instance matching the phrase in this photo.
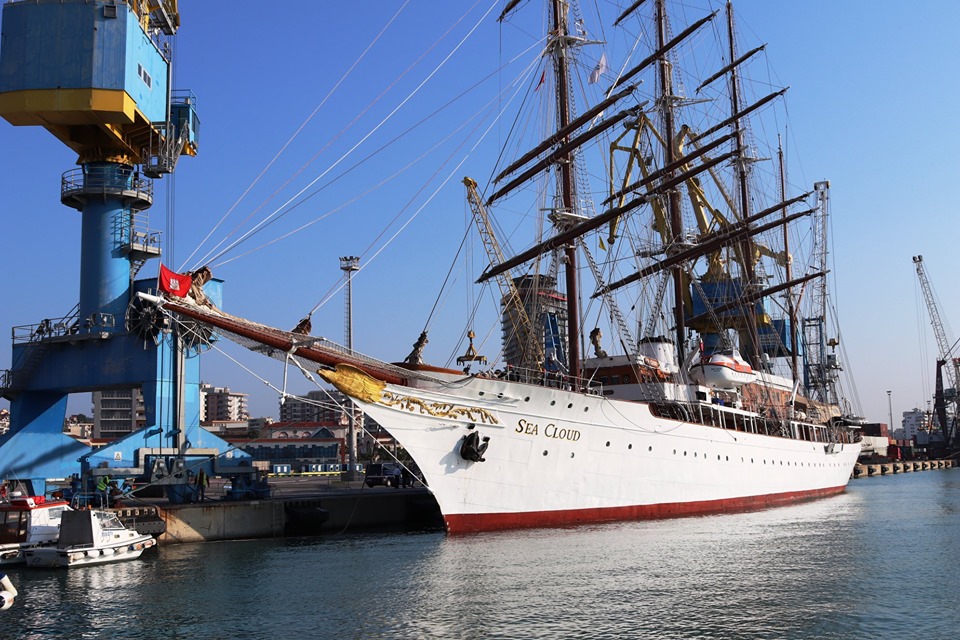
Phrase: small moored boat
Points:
(28, 522)
(90, 537)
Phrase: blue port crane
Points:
(96, 74)
(946, 355)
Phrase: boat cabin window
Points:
(13, 526)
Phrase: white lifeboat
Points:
(722, 370)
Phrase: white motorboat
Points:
(90, 537)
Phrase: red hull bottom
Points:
(477, 522)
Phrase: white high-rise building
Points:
(220, 404)
(316, 406)
(914, 421)
(117, 412)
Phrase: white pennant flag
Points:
(599, 69)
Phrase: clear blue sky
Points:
(871, 105)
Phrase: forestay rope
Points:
(210, 256)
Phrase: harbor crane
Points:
(529, 346)
(945, 355)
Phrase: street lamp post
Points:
(348, 265)
(890, 408)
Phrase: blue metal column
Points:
(104, 270)
(106, 194)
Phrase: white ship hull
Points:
(556, 457)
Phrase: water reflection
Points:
(824, 569)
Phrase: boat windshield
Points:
(109, 521)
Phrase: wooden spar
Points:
(750, 298)
(562, 152)
(278, 340)
(731, 66)
(662, 50)
(563, 133)
(735, 117)
(736, 232)
(628, 11)
(507, 9)
(593, 223)
(673, 166)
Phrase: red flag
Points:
(173, 283)
(543, 76)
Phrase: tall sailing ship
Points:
(726, 392)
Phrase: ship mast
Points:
(791, 309)
(559, 50)
(752, 351)
(673, 201)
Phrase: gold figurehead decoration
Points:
(354, 382)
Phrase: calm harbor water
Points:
(877, 562)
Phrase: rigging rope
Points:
(297, 133)
(388, 117)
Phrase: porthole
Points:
(608, 443)
(629, 446)
(481, 393)
(718, 456)
(586, 408)
(553, 402)
(751, 460)
(572, 454)
(727, 458)
(694, 454)
(649, 448)
(544, 452)
(674, 452)
(570, 406)
(527, 399)
(684, 453)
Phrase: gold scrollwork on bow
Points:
(439, 409)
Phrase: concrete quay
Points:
(298, 506)
(905, 466)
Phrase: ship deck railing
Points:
(552, 379)
(734, 419)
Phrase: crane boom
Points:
(530, 346)
(943, 344)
